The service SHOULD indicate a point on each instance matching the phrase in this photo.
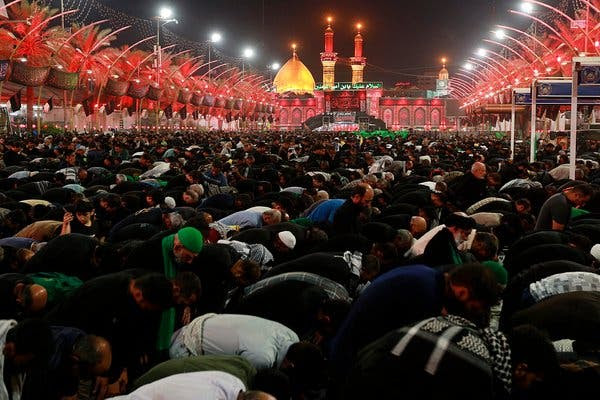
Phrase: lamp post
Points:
(215, 37)
(273, 67)
(164, 17)
(247, 54)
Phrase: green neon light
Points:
(351, 86)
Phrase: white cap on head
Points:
(288, 239)
(170, 202)
(595, 252)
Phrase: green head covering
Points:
(191, 239)
(499, 271)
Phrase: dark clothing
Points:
(441, 250)
(13, 158)
(459, 375)
(212, 266)
(137, 231)
(557, 208)
(152, 216)
(545, 252)
(9, 308)
(292, 303)
(396, 298)
(61, 378)
(147, 255)
(78, 227)
(512, 296)
(69, 254)
(346, 218)
(328, 265)
(468, 190)
(531, 240)
(255, 236)
(105, 307)
(574, 315)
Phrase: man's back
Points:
(556, 209)
(70, 254)
(262, 342)
(243, 219)
(325, 211)
(205, 385)
(97, 306)
(234, 365)
(398, 297)
(346, 218)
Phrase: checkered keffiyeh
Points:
(487, 344)
(334, 290)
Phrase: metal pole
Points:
(62, 18)
(587, 29)
(158, 67)
(533, 121)
(209, 74)
(573, 137)
(512, 126)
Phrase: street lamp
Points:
(165, 13)
(481, 52)
(272, 68)
(164, 17)
(215, 37)
(247, 54)
(527, 7)
(499, 34)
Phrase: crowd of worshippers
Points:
(275, 265)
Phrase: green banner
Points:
(383, 133)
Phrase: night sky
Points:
(400, 35)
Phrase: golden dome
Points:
(294, 77)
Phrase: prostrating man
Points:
(471, 187)
(205, 385)
(234, 365)
(251, 219)
(408, 294)
(18, 295)
(26, 346)
(164, 254)
(293, 299)
(124, 310)
(442, 249)
(347, 218)
(75, 356)
(262, 342)
(556, 211)
(73, 255)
